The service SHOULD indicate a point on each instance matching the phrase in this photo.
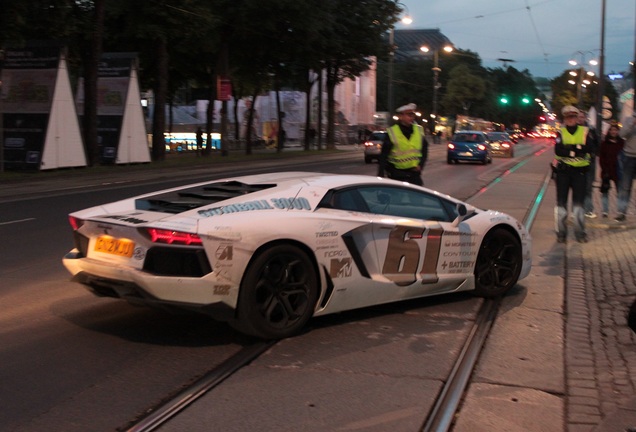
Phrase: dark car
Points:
(469, 146)
(501, 144)
(373, 146)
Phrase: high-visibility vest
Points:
(406, 153)
(578, 137)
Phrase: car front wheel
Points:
(498, 263)
(278, 293)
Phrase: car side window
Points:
(345, 199)
(408, 203)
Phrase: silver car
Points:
(373, 146)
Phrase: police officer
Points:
(572, 149)
(405, 149)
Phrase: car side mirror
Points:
(463, 211)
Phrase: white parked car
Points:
(267, 252)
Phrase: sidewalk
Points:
(560, 356)
(600, 348)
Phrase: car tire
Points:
(367, 160)
(498, 263)
(449, 161)
(278, 293)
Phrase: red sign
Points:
(223, 89)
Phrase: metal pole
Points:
(391, 60)
(601, 79)
(436, 71)
(579, 86)
(634, 75)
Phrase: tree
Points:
(350, 42)
(92, 54)
(463, 89)
(520, 90)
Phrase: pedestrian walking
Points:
(590, 177)
(628, 168)
(609, 151)
(572, 147)
(405, 149)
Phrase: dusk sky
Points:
(539, 35)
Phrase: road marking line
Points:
(17, 221)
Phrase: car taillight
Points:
(75, 222)
(481, 147)
(451, 146)
(505, 145)
(173, 237)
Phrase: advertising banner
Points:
(28, 85)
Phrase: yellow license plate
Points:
(115, 246)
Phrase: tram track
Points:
(442, 414)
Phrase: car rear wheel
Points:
(278, 293)
(367, 159)
(450, 161)
(498, 263)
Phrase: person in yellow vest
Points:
(572, 148)
(405, 149)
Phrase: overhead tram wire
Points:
(491, 14)
(536, 32)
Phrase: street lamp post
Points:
(390, 71)
(436, 70)
(406, 19)
(581, 81)
(601, 76)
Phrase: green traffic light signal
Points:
(503, 100)
(525, 100)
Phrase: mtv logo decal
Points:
(340, 268)
(224, 253)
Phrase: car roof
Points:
(280, 185)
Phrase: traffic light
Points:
(503, 100)
(525, 100)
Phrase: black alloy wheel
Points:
(498, 264)
(278, 293)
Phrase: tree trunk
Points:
(159, 114)
(320, 109)
(250, 121)
(310, 84)
(90, 87)
(209, 120)
(281, 133)
(331, 108)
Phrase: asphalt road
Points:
(74, 362)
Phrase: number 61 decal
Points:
(403, 255)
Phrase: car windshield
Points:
(469, 138)
(499, 136)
